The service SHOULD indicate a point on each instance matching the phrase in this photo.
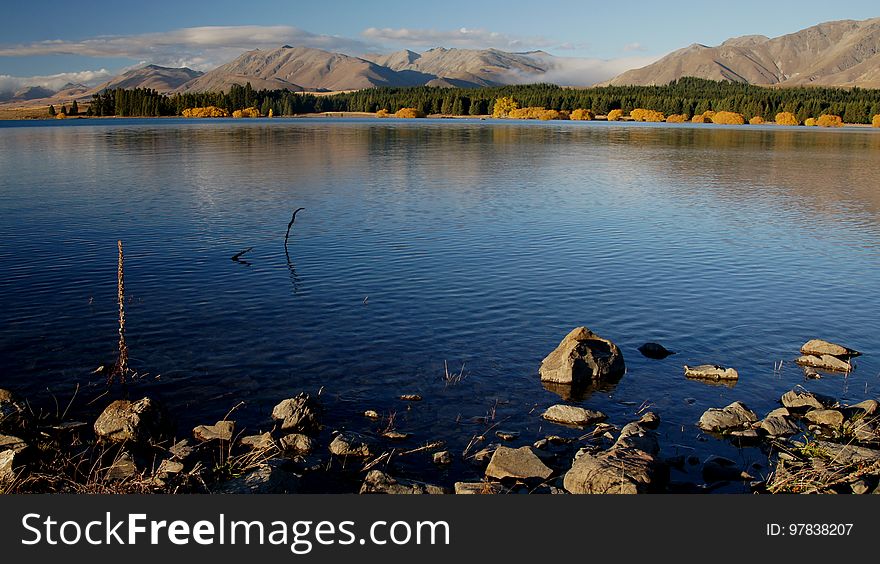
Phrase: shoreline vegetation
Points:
(685, 100)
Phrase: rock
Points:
(655, 351)
(258, 442)
(520, 463)
(866, 431)
(735, 416)
(220, 431)
(583, 357)
(411, 397)
(123, 420)
(710, 372)
(122, 468)
(720, 469)
(846, 454)
(571, 415)
(810, 373)
(478, 488)
(8, 463)
(507, 435)
(869, 407)
(745, 434)
(618, 471)
(825, 362)
(825, 417)
(350, 444)
(799, 398)
(860, 487)
(650, 420)
(779, 425)
(370, 414)
(779, 412)
(300, 414)
(6, 396)
(818, 347)
(297, 443)
(168, 467)
(8, 442)
(442, 458)
(182, 450)
(395, 435)
(267, 478)
(635, 436)
(378, 482)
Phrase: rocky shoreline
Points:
(815, 444)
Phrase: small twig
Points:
(429, 446)
(289, 225)
(237, 255)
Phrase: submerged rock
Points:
(825, 362)
(301, 414)
(734, 417)
(507, 435)
(378, 482)
(267, 478)
(583, 357)
(655, 351)
(442, 458)
(350, 444)
(220, 431)
(720, 469)
(710, 372)
(617, 471)
(650, 420)
(571, 415)
(521, 463)
(138, 421)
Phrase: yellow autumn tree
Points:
(786, 118)
(641, 114)
(247, 113)
(409, 113)
(728, 118)
(756, 120)
(829, 120)
(383, 113)
(677, 118)
(548, 115)
(205, 112)
(615, 115)
(581, 114)
(638, 114)
(705, 117)
(810, 122)
(503, 107)
(875, 122)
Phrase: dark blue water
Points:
(472, 243)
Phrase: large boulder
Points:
(520, 463)
(637, 436)
(779, 423)
(571, 415)
(126, 421)
(734, 417)
(818, 347)
(583, 357)
(301, 414)
(378, 482)
(800, 399)
(825, 417)
(616, 471)
(349, 444)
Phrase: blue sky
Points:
(90, 40)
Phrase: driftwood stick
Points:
(289, 225)
(237, 256)
(121, 367)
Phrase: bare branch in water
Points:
(121, 368)
(289, 225)
(237, 256)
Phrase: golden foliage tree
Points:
(409, 113)
(581, 114)
(503, 107)
(756, 120)
(677, 118)
(247, 113)
(786, 118)
(383, 113)
(205, 112)
(705, 117)
(640, 114)
(829, 120)
(728, 118)
(615, 115)
(810, 122)
(875, 122)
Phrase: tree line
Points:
(686, 96)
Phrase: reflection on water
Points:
(437, 242)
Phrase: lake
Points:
(467, 244)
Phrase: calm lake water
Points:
(422, 243)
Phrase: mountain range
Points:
(842, 53)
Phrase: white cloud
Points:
(53, 81)
(571, 71)
(630, 47)
(464, 38)
(201, 48)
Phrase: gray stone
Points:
(571, 415)
(635, 435)
(8, 442)
(710, 372)
(650, 420)
(123, 420)
(860, 487)
(182, 449)
(745, 434)
(869, 406)
(301, 414)
(582, 358)
(123, 468)
(8, 463)
(825, 417)
(478, 488)
(378, 482)
(267, 478)
(258, 442)
(520, 463)
(779, 412)
(818, 347)
(220, 431)
(825, 362)
(507, 435)
(866, 431)
(779, 425)
(350, 444)
(297, 442)
(442, 458)
(735, 416)
(618, 471)
(847, 454)
(800, 398)
(720, 469)
(169, 467)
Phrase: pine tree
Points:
(52, 112)
(74, 109)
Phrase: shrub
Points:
(756, 120)
(581, 114)
(60, 115)
(547, 115)
(206, 112)
(876, 121)
(786, 118)
(810, 122)
(705, 117)
(829, 120)
(677, 118)
(531, 112)
(409, 113)
(640, 114)
(247, 113)
(383, 113)
(503, 107)
(615, 115)
(728, 118)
